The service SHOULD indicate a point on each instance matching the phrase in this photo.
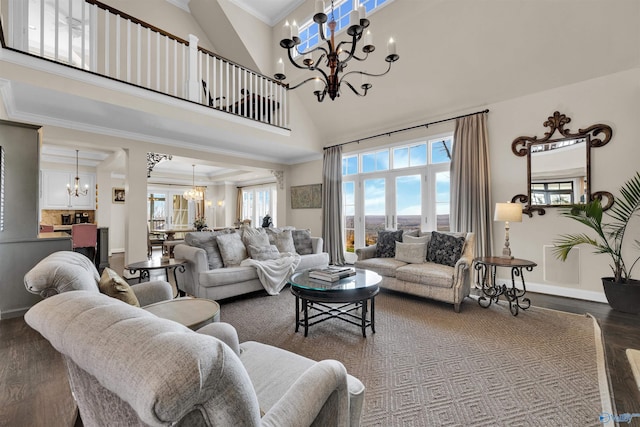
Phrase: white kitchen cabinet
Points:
(55, 195)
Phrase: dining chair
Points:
(84, 236)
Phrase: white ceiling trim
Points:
(271, 19)
(182, 4)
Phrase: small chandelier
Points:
(75, 191)
(329, 80)
(193, 194)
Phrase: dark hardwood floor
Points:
(34, 390)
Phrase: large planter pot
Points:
(623, 297)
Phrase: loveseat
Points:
(429, 264)
(213, 271)
(128, 367)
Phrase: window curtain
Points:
(239, 206)
(332, 204)
(471, 181)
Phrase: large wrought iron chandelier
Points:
(334, 57)
(194, 194)
(75, 191)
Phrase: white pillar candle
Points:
(354, 18)
(368, 38)
(317, 85)
(280, 67)
(362, 11)
(286, 31)
(319, 7)
(391, 47)
(295, 31)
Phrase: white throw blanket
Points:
(273, 273)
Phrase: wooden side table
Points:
(492, 291)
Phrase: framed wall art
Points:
(118, 195)
(306, 196)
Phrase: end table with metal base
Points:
(485, 266)
(145, 267)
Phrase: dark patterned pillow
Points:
(302, 241)
(445, 249)
(386, 245)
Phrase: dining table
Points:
(171, 233)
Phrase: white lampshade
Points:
(511, 212)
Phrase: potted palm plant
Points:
(622, 292)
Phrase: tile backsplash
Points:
(54, 217)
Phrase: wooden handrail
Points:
(115, 11)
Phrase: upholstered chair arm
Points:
(224, 332)
(152, 292)
(319, 397)
(317, 244)
(197, 263)
(366, 252)
(462, 271)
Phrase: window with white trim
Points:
(257, 201)
(400, 187)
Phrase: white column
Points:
(193, 85)
(135, 228)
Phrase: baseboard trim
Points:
(15, 312)
(561, 291)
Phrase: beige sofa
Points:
(426, 279)
(128, 367)
(204, 278)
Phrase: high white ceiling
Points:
(269, 11)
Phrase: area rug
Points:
(429, 366)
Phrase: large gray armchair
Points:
(129, 367)
(65, 271)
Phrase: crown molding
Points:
(182, 4)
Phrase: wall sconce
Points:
(507, 212)
(209, 203)
(220, 203)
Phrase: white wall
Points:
(612, 100)
(118, 217)
(308, 173)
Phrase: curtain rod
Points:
(426, 125)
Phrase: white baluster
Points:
(118, 47)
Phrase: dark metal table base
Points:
(145, 274)
(315, 309)
(491, 292)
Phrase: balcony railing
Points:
(95, 37)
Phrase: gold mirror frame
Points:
(523, 145)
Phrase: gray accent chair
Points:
(129, 367)
(65, 271)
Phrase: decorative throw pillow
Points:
(302, 241)
(263, 253)
(445, 249)
(284, 241)
(421, 239)
(272, 231)
(115, 286)
(232, 249)
(413, 253)
(386, 245)
(255, 237)
(207, 240)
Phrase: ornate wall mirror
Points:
(559, 169)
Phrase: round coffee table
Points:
(353, 293)
(193, 313)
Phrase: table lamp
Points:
(507, 212)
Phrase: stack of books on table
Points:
(331, 274)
